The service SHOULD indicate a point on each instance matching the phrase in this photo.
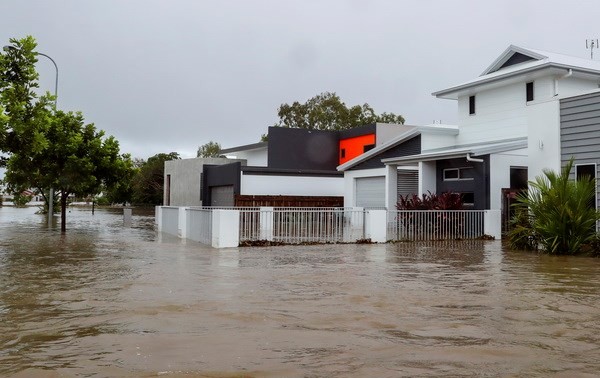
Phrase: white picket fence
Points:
(228, 227)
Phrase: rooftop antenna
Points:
(590, 44)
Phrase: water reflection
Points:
(105, 300)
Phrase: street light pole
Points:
(51, 193)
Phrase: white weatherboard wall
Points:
(292, 185)
(350, 183)
(500, 173)
(499, 114)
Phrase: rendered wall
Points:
(185, 179)
(255, 158)
(291, 185)
(500, 173)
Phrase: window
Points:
(343, 153)
(529, 91)
(368, 147)
(583, 170)
(200, 186)
(587, 171)
(455, 174)
(472, 105)
(518, 178)
(168, 191)
(468, 198)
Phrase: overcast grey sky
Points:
(170, 75)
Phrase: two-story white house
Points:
(528, 111)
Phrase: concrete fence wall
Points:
(224, 228)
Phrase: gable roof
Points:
(401, 138)
(524, 61)
(476, 149)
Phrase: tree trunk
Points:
(63, 211)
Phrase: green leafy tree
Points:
(149, 182)
(48, 148)
(77, 160)
(123, 189)
(209, 150)
(557, 212)
(327, 111)
(25, 116)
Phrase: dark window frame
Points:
(529, 91)
(472, 105)
(342, 153)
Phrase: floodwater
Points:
(110, 301)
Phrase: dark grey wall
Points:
(220, 175)
(580, 131)
(303, 149)
(358, 131)
(410, 147)
(479, 186)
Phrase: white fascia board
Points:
(507, 54)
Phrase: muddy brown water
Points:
(109, 301)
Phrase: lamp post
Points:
(51, 194)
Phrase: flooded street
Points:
(109, 301)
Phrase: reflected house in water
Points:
(528, 111)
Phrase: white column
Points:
(376, 225)
(158, 218)
(266, 223)
(391, 186)
(181, 223)
(225, 228)
(492, 223)
(427, 182)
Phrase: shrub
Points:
(429, 201)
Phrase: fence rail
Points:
(228, 227)
(302, 225)
(435, 224)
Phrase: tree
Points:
(209, 150)
(48, 148)
(149, 182)
(327, 111)
(77, 160)
(556, 213)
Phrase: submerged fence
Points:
(435, 224)
(302, 225)
(228, 227)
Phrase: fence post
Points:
(492, 223)
(225, 228)
(158, 218)
(376, 225)
(266, 223)
(181, 223)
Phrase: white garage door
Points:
(370, 192)
(221, 195)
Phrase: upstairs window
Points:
(472, 105)
(343, 153)
(458, 174)
(529, 91)
(368, 147)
